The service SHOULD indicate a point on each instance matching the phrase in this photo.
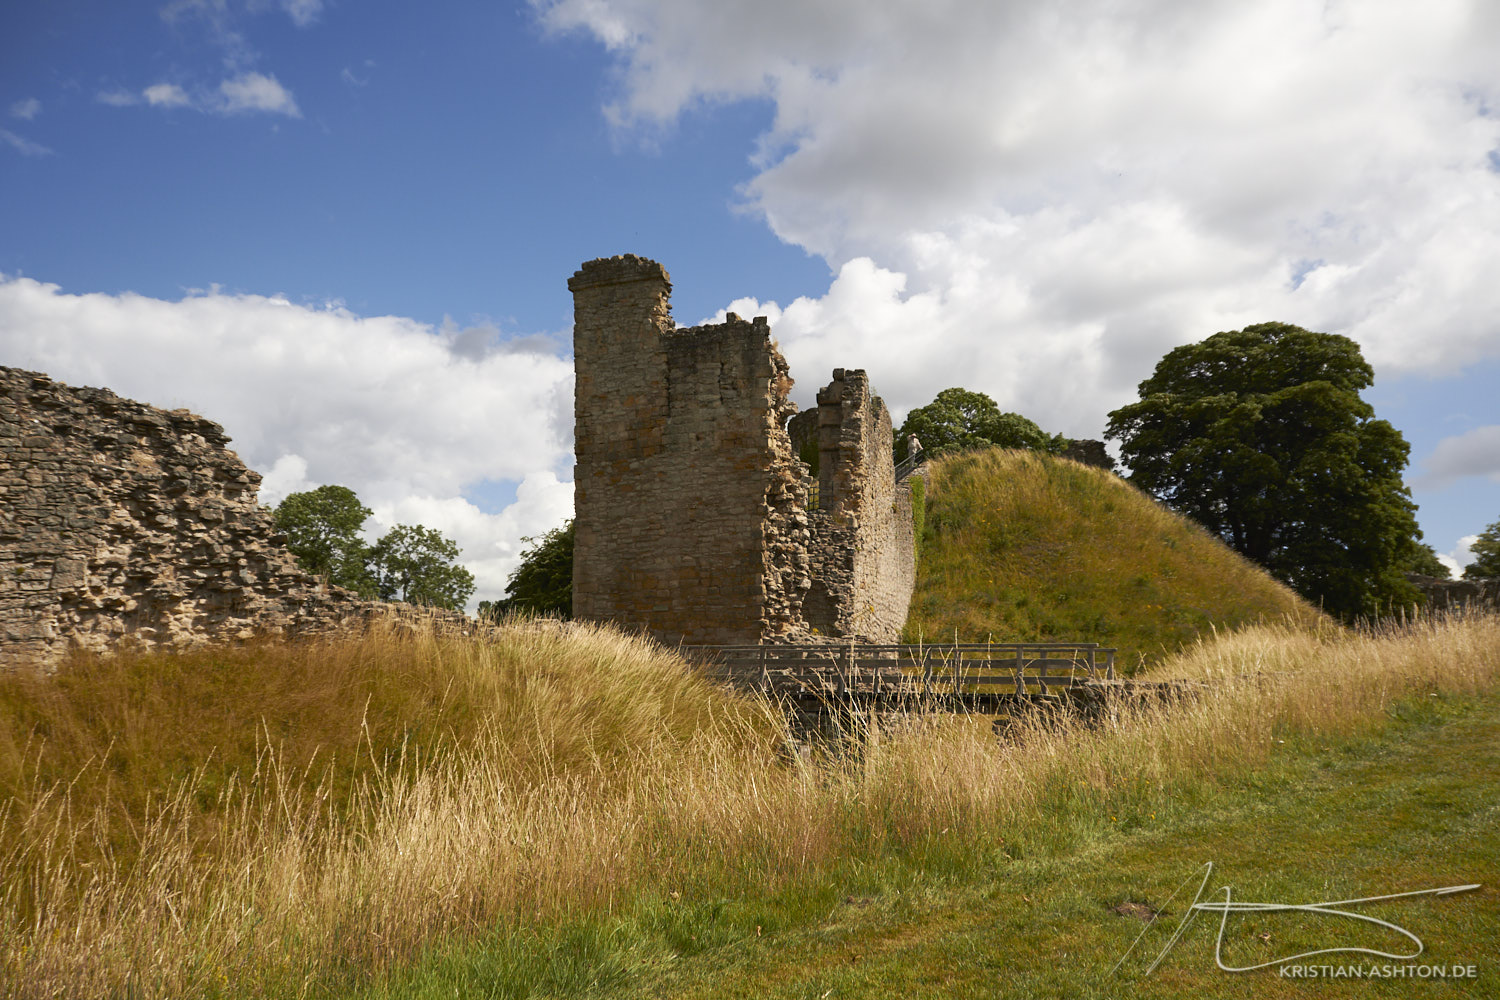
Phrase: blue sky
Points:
(344, 230)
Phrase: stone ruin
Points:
(1454, 595)
(695, 517)
(119, 520)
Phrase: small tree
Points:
(543, 582)
(416, 564)
(1486, 552)
(322, 531)
(1426, 562)
(959, 419)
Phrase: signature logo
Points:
(1329, 908)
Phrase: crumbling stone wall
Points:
(119, 520)
(687, 506)
(690, 504)
(1446, 595)
(863, 564)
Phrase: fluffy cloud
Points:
(1474, 453)
(255, 92)
(414, 419)
(1053, 195)
(166, 95)
(1460, 557)
(26, 109)
(245, 93)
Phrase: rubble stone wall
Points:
(690, 504)
(118, 519)
(863, 554)
(686, 498)
(1446, 595)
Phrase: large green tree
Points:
(1486, 552)
(1261, 435)
(959, 419)
(322, 531)
(543, 582)
(416, 564)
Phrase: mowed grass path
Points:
(1416, 805)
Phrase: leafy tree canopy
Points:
(322, 531)
(416, 564)
(1426, 562)
(543, 582)
(959, 419)
(1260, 435)
(1486, 552)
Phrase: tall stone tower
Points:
(686, 505)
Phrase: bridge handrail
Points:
(897, 664)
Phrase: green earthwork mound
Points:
(1022, 546)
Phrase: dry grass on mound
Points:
(587, 771)
(1021, 546)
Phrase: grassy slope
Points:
(1022, 546)
(1411, 806)
(125, 734)
(620, 820)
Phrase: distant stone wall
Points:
(690, 505)
(119, 520)
(1442, 595)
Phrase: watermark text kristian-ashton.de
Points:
(1378, 971)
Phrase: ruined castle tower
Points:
(686, 505)
(690, 506)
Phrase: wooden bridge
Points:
(976, 675)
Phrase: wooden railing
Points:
(863, 669)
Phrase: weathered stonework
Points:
(863, 568)
(119, 520)
(690, 505)
(1451, 595)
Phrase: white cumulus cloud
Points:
(1460, 557)
(411, 417)
(1050, 196)
(1473, 453)
(255, 92)
(245, 93)
(166, 95)
(26, 109)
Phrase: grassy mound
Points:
(1022, 546)
(114, 741)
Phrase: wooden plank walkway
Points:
(971, 673)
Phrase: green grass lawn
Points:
(1413, 805)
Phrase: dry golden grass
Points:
(1021, 546)
(593, 771)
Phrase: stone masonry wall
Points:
(119, 520)
(686, 497)
(690, 505)
(863, 566)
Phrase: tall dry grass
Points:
(562, 808)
